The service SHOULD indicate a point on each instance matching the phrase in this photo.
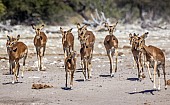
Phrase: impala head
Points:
(84, 40)
(11, 41)
(141, 40)
(37, 30)
(64, 33)
(132, 38)
(72, 54)
(111, 28)
(81, 30)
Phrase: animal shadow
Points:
(79, 70)
(11, 83)
(103, 75)
(7, 73)
(133, 79)
(66, 88)
(145, 92)
(80, 80)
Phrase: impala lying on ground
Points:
(67, 41)
(111, 45)
(137, 54)
(16, 51)
(70, 67)
(154, 57)
(40, 41)
(83, 32)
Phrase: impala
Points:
(16, 51)
(40, 41)
(83, 32)
(137, 54)
(86, 56)
(67, 41)
(11, 63)
(70, 67)
(154, 57)
(111, 45)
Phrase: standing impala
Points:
(11, 63)
(83, 32)
(111, 45)
(137, 54)
(70, 67)
(40, 41)
(16, 51)
(67, 41)
(86, 56)
(154, 57)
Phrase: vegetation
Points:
(60, 11)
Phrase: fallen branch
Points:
(98, 20)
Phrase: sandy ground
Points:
(123, 89)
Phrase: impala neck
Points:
(147, 49)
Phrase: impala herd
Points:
(143, 54)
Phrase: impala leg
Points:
(144, 59)
(15, 72)
(155, 69)
(24, 65)
(38, 57)
(149, 72)
(10, 67)
(159, 81)
(71, 81)
(90, 67)
(136, 59)
(44, 50)
(38, 62)
(84, 69)
(134, 63)
(82, 66)
(163, 68)
(88, 70)
(116, 52)
(14, 75)
(141, 66)
(66, 78)
(111, 62)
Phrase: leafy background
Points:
(71, 11)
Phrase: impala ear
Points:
(144, 36)
(33, 26)
(70, 30)
(42, 26)
(18, 37)
(61, 29)
(85, 27)
(116, 24)
(78, 25)
(9, 38)
(106, 24)
(130, 35)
